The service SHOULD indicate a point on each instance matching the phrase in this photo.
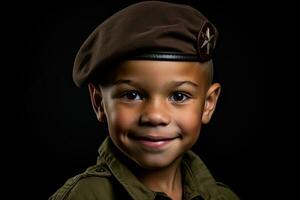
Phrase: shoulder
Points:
(86, 185)
(226, 192)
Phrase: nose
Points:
(155, 113)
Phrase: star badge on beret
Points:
(206, 41)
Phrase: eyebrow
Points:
(179, 83)
(121, 81)
(174, 83)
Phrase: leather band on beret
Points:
(164, 56)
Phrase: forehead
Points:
(160, 71)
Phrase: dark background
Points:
(58, 134)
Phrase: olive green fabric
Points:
(110, 179)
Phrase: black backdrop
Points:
(58, 134)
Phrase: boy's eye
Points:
(179, 97)
(131, 95)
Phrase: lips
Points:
(153, 141)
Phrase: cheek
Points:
(189, 121)
(120, 118)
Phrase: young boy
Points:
(149, 72)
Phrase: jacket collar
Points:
(198, 181)
(110, 155)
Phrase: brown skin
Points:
(154, 111)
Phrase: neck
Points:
(167, 179)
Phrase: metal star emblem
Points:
(208, 39)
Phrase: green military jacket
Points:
(110, 179)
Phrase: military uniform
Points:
(110, 179)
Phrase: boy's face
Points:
(154, 109)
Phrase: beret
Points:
(149, 30)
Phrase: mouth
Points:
(152, 141)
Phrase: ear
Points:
(97, 103)
(211, 99)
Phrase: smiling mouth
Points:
(153, 142)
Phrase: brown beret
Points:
(149, 30)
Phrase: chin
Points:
(156, 163)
